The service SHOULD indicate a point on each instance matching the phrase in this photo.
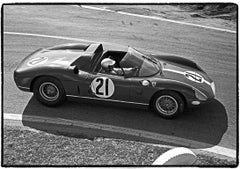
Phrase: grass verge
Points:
(26, 147)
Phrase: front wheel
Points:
(168, 104)
(49, 91)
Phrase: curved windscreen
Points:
(146, 66)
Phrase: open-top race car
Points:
(114, 73)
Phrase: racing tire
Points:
(168, 104)
(49, 91)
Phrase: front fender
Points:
(185, 89)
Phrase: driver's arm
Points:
(117, 71)
(128, 69)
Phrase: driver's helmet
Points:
(107, 64)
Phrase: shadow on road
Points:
(206, 123)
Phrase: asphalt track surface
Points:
(215, 51)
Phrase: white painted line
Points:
(48, 36)
(222, 150)
(159, 18)
(56, 37)
(128, 131)
(95, 8)
(76, 5)
(12, 116)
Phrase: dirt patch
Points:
(222, 15)
(222, 10)
(24, 147)
(33, 147)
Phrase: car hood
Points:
(185, 71)
(190, 75)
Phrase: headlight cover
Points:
(201, 96)
(213, 88)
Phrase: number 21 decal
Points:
(102, 87)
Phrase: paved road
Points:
(213, 123)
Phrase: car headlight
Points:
(213, 88)
(199, 95)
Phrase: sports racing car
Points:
(112, 73)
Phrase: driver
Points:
(108, 66)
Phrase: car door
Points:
(103, 86)
(141, 90)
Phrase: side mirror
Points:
(74, 69)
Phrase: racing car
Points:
(114, 73)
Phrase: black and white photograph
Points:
(119, 84)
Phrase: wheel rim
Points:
(49, 91)
(167, 105)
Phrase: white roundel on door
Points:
(102, 87)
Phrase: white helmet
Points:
(105, 63)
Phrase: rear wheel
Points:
(49, 91)
(168, 104)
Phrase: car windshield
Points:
(147, 66)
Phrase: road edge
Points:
(16, 120)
